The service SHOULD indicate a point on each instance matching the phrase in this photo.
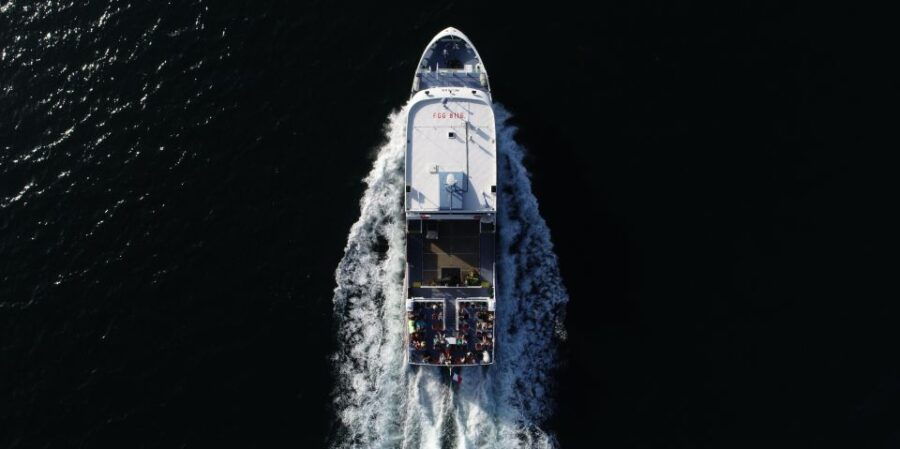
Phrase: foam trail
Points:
(383, 403)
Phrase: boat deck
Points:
(450, 311)
(444, 252)
(451, 332)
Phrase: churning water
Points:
(380, 400)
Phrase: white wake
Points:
(380, 401)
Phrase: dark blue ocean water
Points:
(177, 180)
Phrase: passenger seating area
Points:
(470, 341)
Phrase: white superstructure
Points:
(451, 136)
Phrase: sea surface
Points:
(198, 230)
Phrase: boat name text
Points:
(458, 115)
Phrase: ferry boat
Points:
(451, 208)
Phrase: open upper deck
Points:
(450, 253)
(451, 152)
(456, 332)
(450, 298)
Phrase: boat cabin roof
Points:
(451, 152)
